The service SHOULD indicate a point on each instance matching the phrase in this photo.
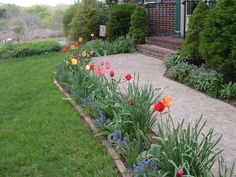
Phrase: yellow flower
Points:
(74, 61)
(87, 67)
(84, 53)
(167, 101)
(72, 47)
(81, 39)
(92, 35)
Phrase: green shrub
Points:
(139, 25)
(191, 44)
(228, 91)
(87, 19)
(187, 147)
(28, 48)
(119, 20)
(67, 18)
(123, 45)
(218, 39)
(173, 60)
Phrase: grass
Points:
(41, 135)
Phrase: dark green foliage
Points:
(201, 78)
(101, 48)
(139, 26)
(119, 20)
(218, 39)
(191, 44)
(67, 18)
(17, 50)
(88, 18)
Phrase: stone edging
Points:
(119, 164)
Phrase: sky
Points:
(27, 3)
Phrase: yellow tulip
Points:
(74, 61)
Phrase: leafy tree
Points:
(139, 25)
(191, 44)
(119, 20)
(67, 18)
(218, 39)
(88, 18)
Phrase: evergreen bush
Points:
(218, 39)
(190, 47)
(139, 25)
(119, 20)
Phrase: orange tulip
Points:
(81, 39)
(84, 53)
(72, 47)
(167, 101)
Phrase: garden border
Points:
(119, 163)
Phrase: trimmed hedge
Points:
(139, 25)
(11, 50)
(119, 20)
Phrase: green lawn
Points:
(40, 133)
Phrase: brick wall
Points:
(161, 17)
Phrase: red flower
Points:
(128, 77)
(159, 107)
(64, 50)
(77, 44)
(68, 37)
(180, 172)
(112, 73)
(67, 47)
(74, 57)
(132, 102)
(92, 67)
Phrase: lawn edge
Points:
(119, 163)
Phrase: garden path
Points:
(187, 102)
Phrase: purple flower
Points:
(101, 119)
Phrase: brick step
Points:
(154, 51)
(166, 42)
(164, 45)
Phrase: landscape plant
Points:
(119, 20)
(139, 25)
(190, 48)
(125, 113)
(218, 39)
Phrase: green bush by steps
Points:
(201, 78)
(139, 25)
(196, 25)
(119, 19)
(218, 39)
(11, 50)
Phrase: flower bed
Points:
(125, 114)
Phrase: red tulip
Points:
(159, 107)
(128, 77)
(74, 57)
(112, 73)
(180, 172)
(92, 67)
(64, 50)
(77, 44)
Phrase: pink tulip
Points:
(108, 64)
(100, 71)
